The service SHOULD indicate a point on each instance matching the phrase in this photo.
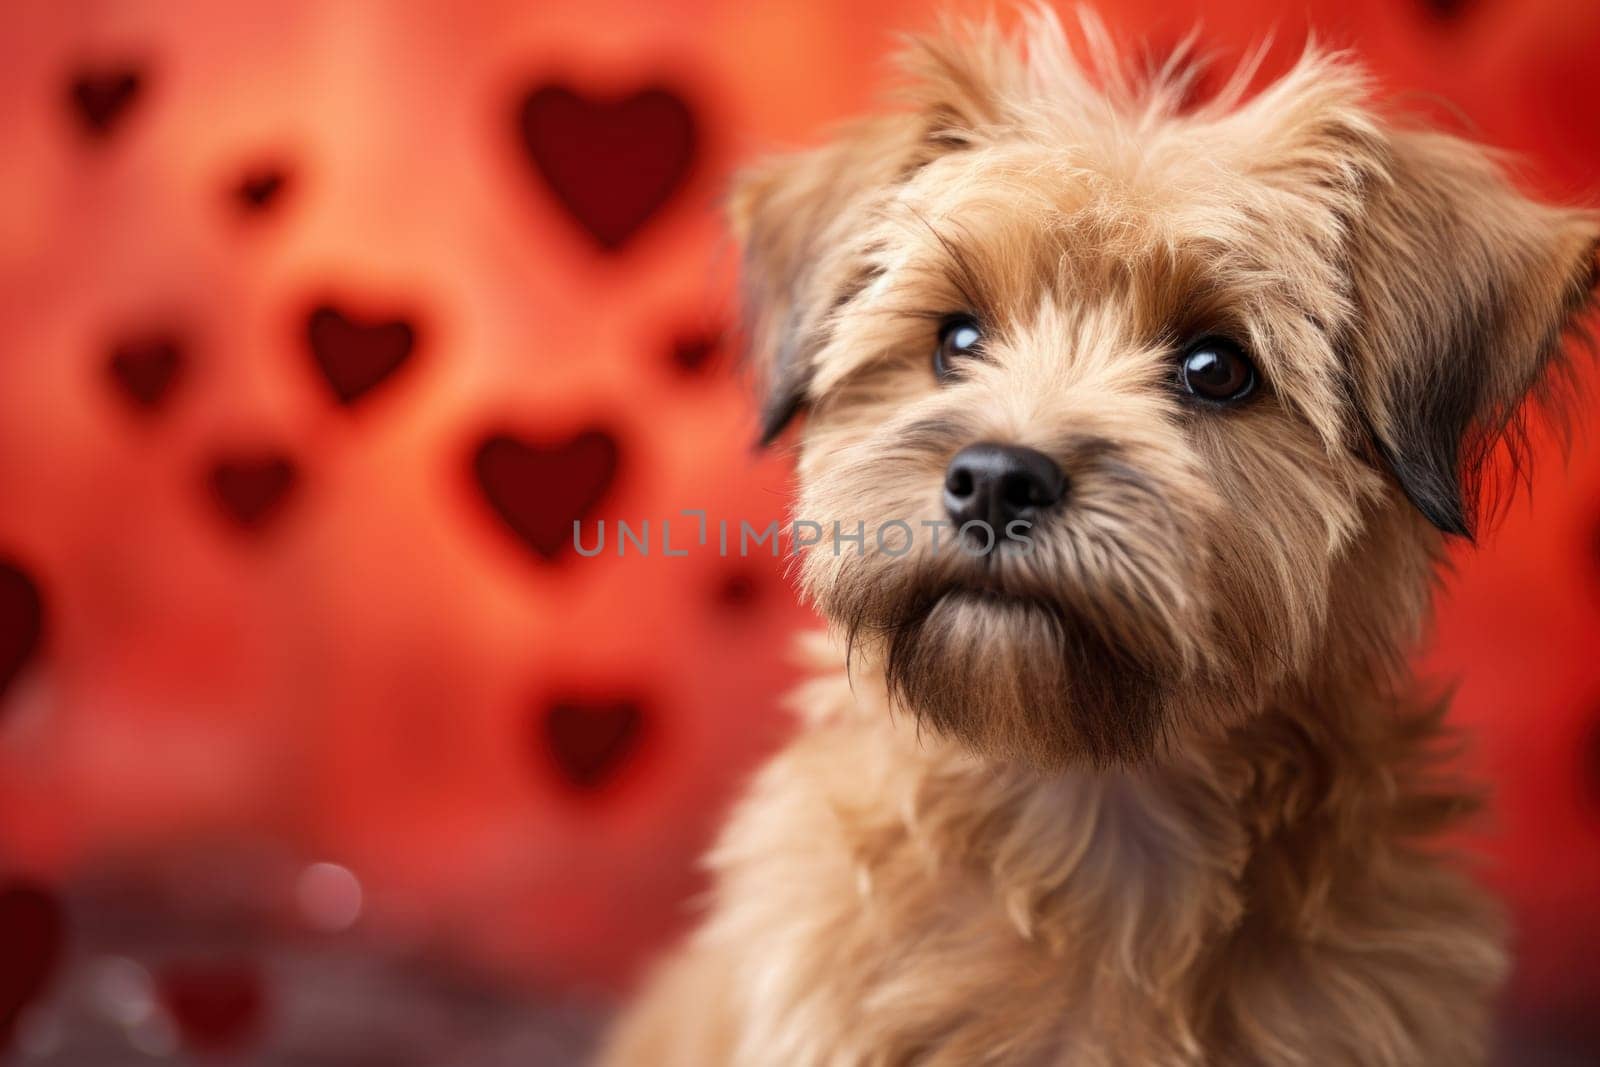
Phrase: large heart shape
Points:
(540, 490)
(145, 369)
(21, 622)
(251, 488)
(32, 930)
(218, 1007)
(612, 163)
(101, 98)
(588, 742)
(357, 356)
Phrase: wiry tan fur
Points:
(1155, 793)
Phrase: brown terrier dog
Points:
(1142, 785)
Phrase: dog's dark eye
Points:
(959, 338)
(1215, 369)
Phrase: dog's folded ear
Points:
(1463, 291)
(803, 221)
(795, 219)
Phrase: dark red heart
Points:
(101, 98)
(218, 1007)
(612, 163)
(693, 353)
(540, 490)
(355, 357)
(260, 189)
(144, 370)
(32, 931)
(738, 591)
(21, 623)
(589, 742)
(252, 489)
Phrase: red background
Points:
(281, 609)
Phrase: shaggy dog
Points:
(1144, 781)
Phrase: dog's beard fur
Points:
(1023, 678)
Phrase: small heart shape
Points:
(588, 742)
(540, 490)
(251, 488)
(357, 356)
(738, 592)
(218, 1007)
(21, 624)
(695, 352)
(33, 930)
(612, 163)
(101, 98)
(144, 370)
(260, 188)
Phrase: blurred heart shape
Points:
(613, 162)
(588, 742)
(144, 370)
(539, 490)
(218, 1007)
(260, 188)
(101, 97)
(356, 356)
(33, 932)
(21, 623)
(738, 591)
(251, 488)
(694, 353)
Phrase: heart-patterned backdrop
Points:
(320, 323)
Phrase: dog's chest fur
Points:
(885, 899)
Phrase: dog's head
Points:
(1182, 371)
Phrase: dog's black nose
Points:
(999, 484)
